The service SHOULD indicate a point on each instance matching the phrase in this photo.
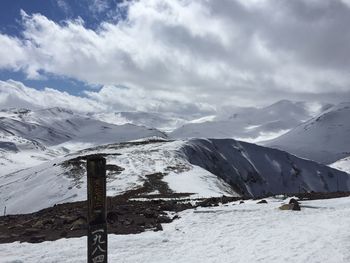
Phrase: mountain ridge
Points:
(323, 138)
(203, 167)
(251, 124)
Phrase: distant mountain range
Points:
(42, 152)
(29, 137)
(251, 124)
(164, 122)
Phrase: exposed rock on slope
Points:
(255, 170)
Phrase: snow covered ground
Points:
(247, 232)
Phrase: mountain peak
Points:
(323, 138)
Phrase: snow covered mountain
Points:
(342, 164)
(255, 170)
(203, 168)
(160, 121)
(251, 124)
(27, 137)
(324, 138)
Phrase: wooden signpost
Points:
(97, 226)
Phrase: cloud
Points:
(196, 52)
(12, 53)
(14, 94)
(98, 6)
(64, 6)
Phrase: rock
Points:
(5, 236)
(209, 202)
(112, 217)
(241, 202)
(139, 221)
(58, 224)
(37, 239)
(158, 228)
(121, 209)
(295, 204)
(168, 206)
(149, 225)
(149, 213)
(38, 224)
(80, 223)
(128, 222)
(63, 234)
(31, 231)
(163, 219)
(285, 207)
(48, 222)
(68, 219)
(262, 202)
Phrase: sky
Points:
(176, 56)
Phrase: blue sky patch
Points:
(90, 11)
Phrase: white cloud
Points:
(12, 53)
(64, 6)
(14, 94)
(196, 52)
(98, 6)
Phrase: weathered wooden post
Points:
(97, 226)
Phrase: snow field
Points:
(247, 232)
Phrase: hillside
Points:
(250, 124)
(201, 168)
(29, 137)
(324, 138)
(255, 170)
